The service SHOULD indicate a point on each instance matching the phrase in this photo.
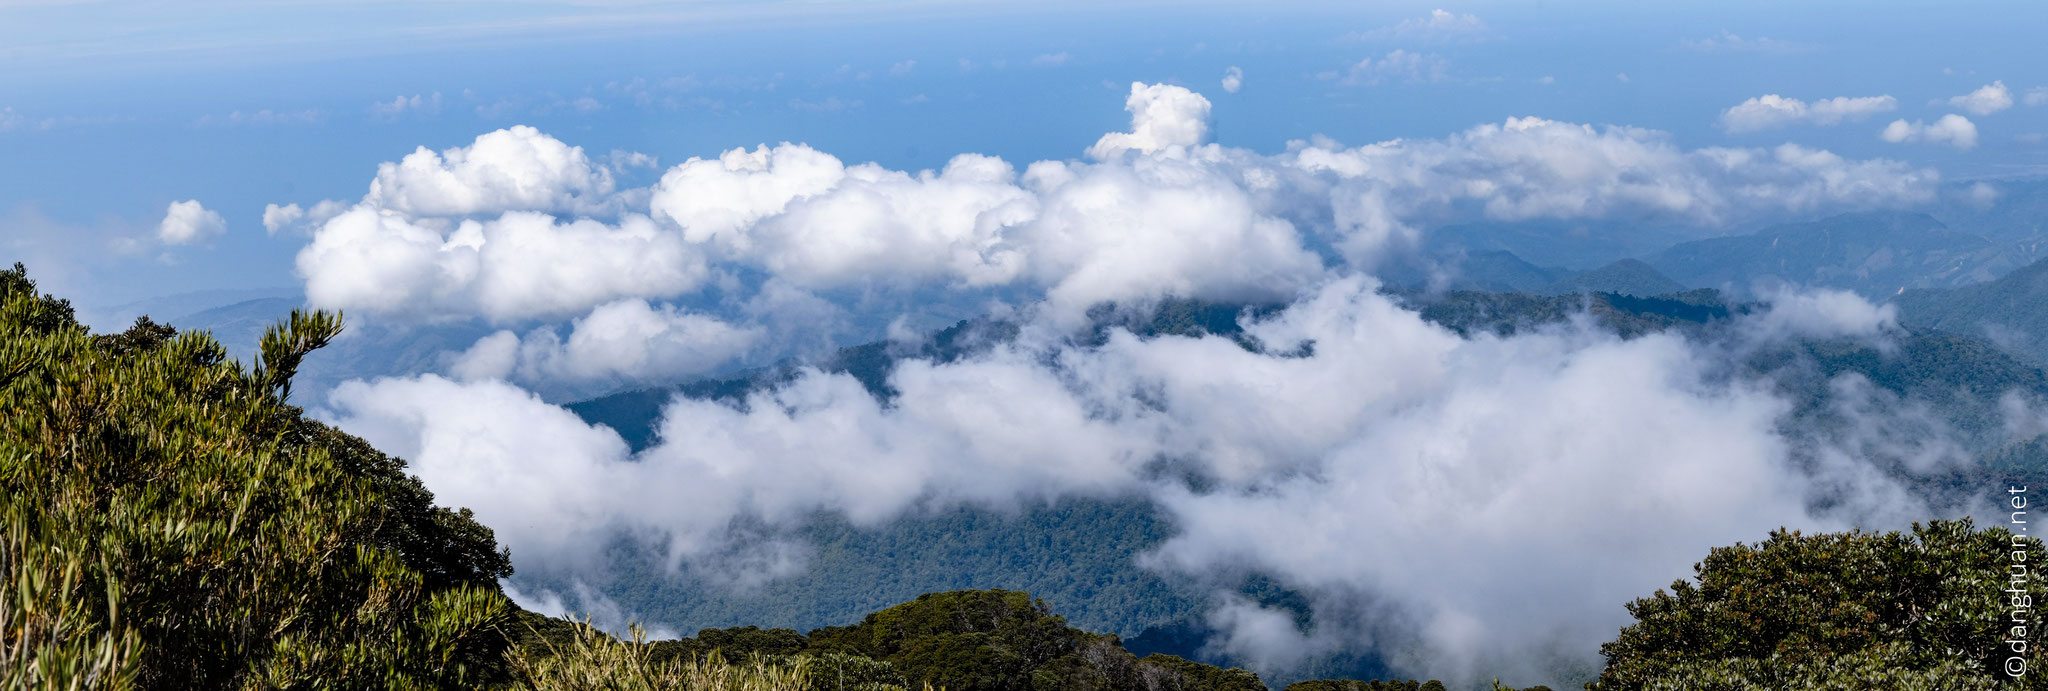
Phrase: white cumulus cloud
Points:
(1534, 168)
(1161, 227)
(623, 342)
(1162, 116)
(402, 105)
(188, 222)
(1772, 111)
(520, 265)
(276, 218)
(1986, 100)
(727, 195)
(510, 169)
(494, 230)
(1953, 130)
(1233, 79)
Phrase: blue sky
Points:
(112, 110)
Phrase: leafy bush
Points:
(172, 522)
(1926, 609)
(1001, 640)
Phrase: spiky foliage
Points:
(1390, 685)
(589, 659)
(172, 522)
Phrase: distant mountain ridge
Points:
(1500, 271)
(2011, 311)
(173, 307)
(1877, 254)
(239, 326)
(1575, 245)
(1623, 277)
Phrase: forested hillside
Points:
(2012, 310)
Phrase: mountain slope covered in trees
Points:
(2012, 310)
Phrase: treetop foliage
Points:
(1929, 608)
(172, 522)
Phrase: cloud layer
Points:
(521, 226)
(1387, 450)
(1363, 455)
(617, 344)
(519, 265)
